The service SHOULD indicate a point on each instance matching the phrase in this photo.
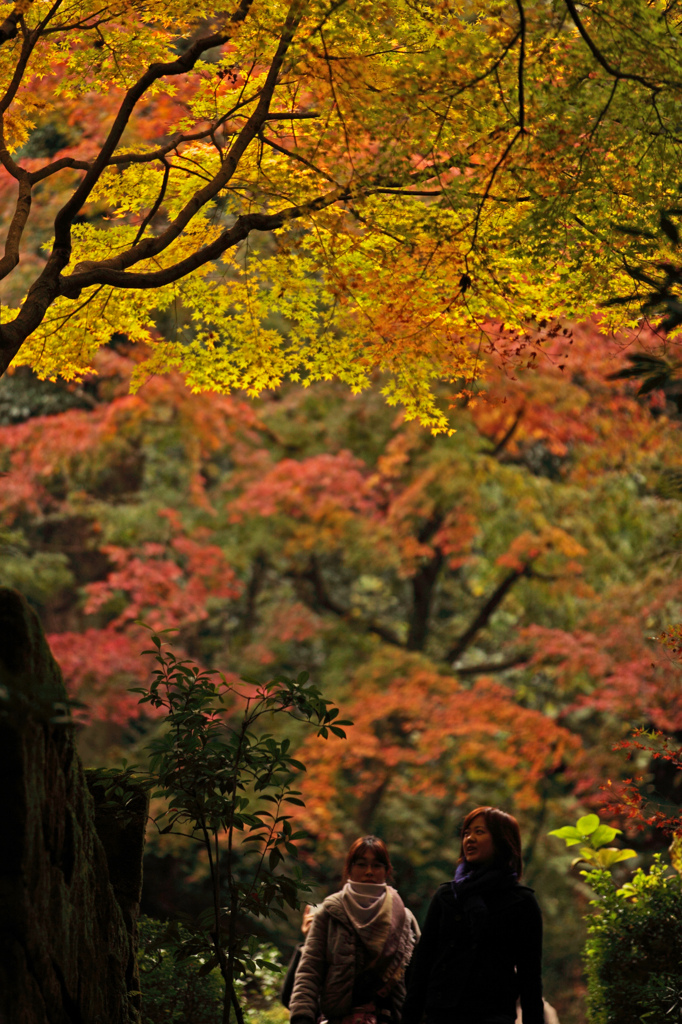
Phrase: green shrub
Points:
(174, 992)
(221, 776)
(180, 991)
(633, 954)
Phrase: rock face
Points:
(70, 874)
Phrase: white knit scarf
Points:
(378, 915)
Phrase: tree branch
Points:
(8, 29)
(50, 284)
(491, 180)
(180, 66)
(324, 602)
(253, 588)
(296, 156)
(486, 612)
(157, 204)
(605, 110)
(137, 158)
(423, 586)
(58, 165)
(87, 274)
(151, 247)
(292, 116)
(509, 433)
(486, 667)
(85, 23)
(21, 211)
(601, 59)
(28, 45)
(522, 58)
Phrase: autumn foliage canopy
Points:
(483, 606)
(316, 190)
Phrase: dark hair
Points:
(504, 828)
(359, 846)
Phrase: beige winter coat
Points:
(331, 959)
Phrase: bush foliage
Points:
(632, 954)
(177, 989)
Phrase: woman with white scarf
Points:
(352, 968)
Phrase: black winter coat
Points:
(465, 972)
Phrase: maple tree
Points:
(314, 532)
(313, 190)
(479, 604)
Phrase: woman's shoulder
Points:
(521, 898)
(525, 893)
(330, 914)
(331, 904)
(443, 894)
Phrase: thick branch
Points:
(180, 66)
(103, 273)
(254, 586)
(151, 247)
(59, 165)
(601, 59)
(16, 228)
(486, 612)
(423, 586)
(28, 45)
(324, 602)
(8, 29)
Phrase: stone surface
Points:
(70, 874)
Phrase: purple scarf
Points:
(471, 886)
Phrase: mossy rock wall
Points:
(70, 875)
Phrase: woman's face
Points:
(477, 843)
(366, 868)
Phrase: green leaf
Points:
(626, 855)
(569, 834)
(588, 824)
(607, 858)
(603, 835)
(207, 967)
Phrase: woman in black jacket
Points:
(481, 945)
